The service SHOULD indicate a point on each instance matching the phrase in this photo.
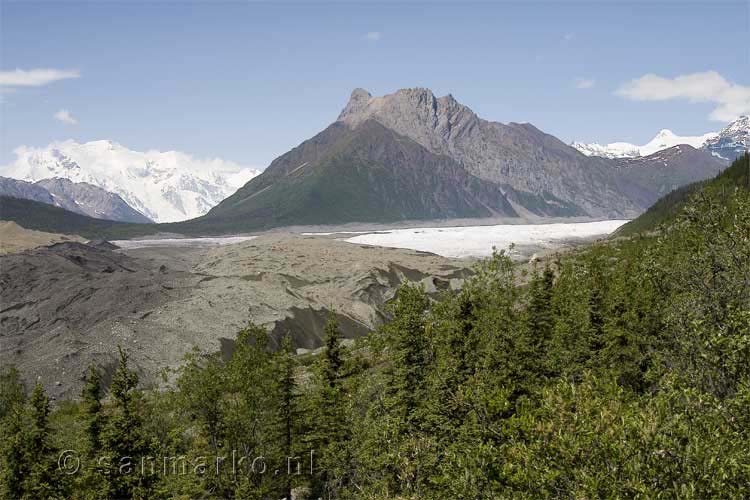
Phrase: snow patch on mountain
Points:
(165, 186)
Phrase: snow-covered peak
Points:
(165, 186)
(732, 141)
(664, 139)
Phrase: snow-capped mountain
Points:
(663, 140)
(165, 186)
(732, 141)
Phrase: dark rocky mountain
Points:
(667, 170)
(411, 155)
(515, 156)
(367, 173)
(25, 190)
(78, 197)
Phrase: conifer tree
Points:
(328, 432)
(123, 439)
(41, 481)
(287, 412)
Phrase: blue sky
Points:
(247, 81)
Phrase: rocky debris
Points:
(103, 245)
(69, 305)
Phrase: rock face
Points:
(91, 200)
(25, 190)
(517, 157)
(69, 305)
(78, 197)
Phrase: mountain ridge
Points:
(81, 198)
(727, 144)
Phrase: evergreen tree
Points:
(287, 412)
(123, 440)
(328, 433)
(41, 481)
(540, 318)
(14, 466)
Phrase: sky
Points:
(247, 81)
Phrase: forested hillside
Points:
(667, 208)
(620, 370)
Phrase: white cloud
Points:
(373, 36)
(35, 77)
(731, 99)
(64, 116)
(568, 37)
(585, 83)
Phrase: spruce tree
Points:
(41, 481)
(328, 434)
(123, 439)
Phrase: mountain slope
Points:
(667, 207)
(41, 216)
(668, 169)
(164, 186)
(515, 155)
(366, 174)
(81, 198)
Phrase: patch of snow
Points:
(478, 241)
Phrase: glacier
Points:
(478, 241)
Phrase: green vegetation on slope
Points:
(40, 216)
(667, 208)
(620, 371)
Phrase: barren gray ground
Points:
(69, 305)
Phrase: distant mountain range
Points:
(78, 197)
(164, 186)
(727, 144)
(404, 156)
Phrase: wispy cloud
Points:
(731, 99)
(35, 77)
(568, 37)
(585, 83)
(65, 116)
(373, 36)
